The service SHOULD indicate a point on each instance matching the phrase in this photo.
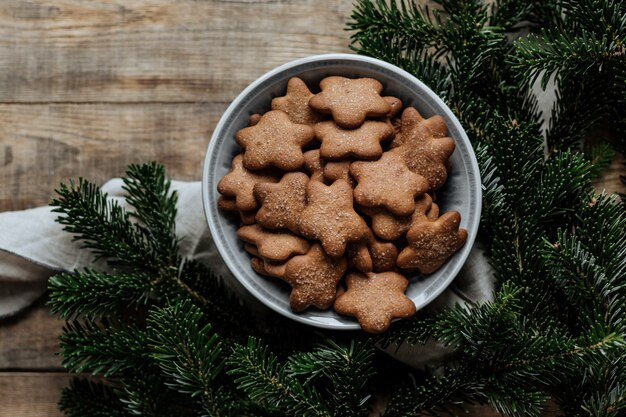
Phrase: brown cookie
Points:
(359, 257)
(405, 126)
(258, 266)
(427, 155)
(338, 170)
(313, 165)
(360, 143)
(275, 246)
(296, 103)
(387, 183)
(387, 226)
(226, 203)
(396, 105)
(329, 217)
(274, 141)
(239, 183)
(383, 254)
(375, 299)
(313, 278)
(350, 101)
(282, 203)
(254, 119)
(431, 243)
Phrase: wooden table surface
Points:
(87, 87)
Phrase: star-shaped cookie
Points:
(282, 203)
(296, 103)
(350, 101)
(375, 299)
(276, 246)
(431, 243)
(405, 126)
(387, 183)
(239, 183)
(389, 227)
(274, 141)
(360, 143)
(425, 154)
(329, 217)
(313, 278)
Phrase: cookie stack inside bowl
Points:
(336, 196)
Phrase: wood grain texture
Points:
(165, 51)
(31, 394)
(44, 144)
(30, 341)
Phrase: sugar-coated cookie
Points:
(329, 217)
(273, 245)
(375, 299)
(296, 103)
(431, 243)
(240, 182)
(313, 278)
(313, 165)
(360, 143)
(350, 101)
(274, 141)
(282, 203)
(387, 183)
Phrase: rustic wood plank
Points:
(42, 145)
(31, 394)
(30, 341)
(142, 50)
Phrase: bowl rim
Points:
(472, 228)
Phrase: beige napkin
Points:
(33, 247)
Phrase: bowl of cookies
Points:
(341, 192)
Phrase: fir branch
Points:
(94, 294)
(104, 227)
(265, 381)
(88, 398)
(187, 352)
(434, 395)
(348, 369)
(562, 54)
(106, 348)
(154, 204)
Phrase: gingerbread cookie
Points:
(405, 126)
(313, 164)
(427, 155)
(274, 141)
(350, 101)
(383, 254)
(240, 182)
(275, 246)
(375, 299)
(431, 243)
(360, 143)
(254, 119)
(338, 170)
(329, 217)
(387, 183)
(396, 105)
(313, 278)
(296, 103)
(359, 257)
(282, 203)
(387, 226)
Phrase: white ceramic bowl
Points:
(462, 191)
